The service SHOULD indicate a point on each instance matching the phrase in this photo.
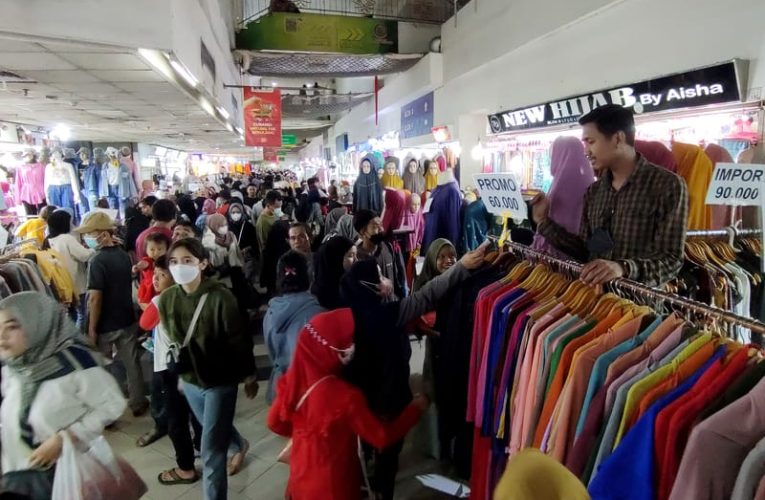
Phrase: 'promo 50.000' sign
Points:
(502, 195)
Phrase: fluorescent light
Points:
(158, 60)
(184, 73)
(273, 84)
(61, 132)
(223, 112)
(240, 130)
(207, 106)
(229, 127)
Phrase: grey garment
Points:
(614, 420)
(426, 298)
(750, 474)
(124, 343)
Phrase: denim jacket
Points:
(125, 187)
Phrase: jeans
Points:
(128, 353)
(179, 416)
(61, 196)
(115, 202)
(214, 407)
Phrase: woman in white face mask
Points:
(223, 248)
(244, 231)
(217, 356)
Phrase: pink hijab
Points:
(416, 221)
(208, 207)
(657, 153)
(572, 175)
(721, 215)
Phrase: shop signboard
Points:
(262, 117)
(502, 195)
(320, 33)
(417, 117)
(701, 87)
(270, 155)
(289, 140)
(341, 143)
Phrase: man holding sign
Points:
(635, 215)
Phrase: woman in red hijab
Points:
(325, 416)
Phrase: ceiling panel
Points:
(10, 45)
(74, 76)
(88, 88)
(22, 61)
(99, 61)
(130, 76)
(74, 47)
(147, 87)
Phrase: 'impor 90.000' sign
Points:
(736, 184)
(502, 195)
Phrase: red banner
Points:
(270, 155)
(262, 117)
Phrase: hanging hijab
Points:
(414, 182)
(393, 215)
(531, 474)
(392, 181)
(431, 179)
(324, 346)
(345, 227)
(214, 223)
(572, 176)
(414, 221)
(367, 190)
(657, 153)
(696, 168)
(430, 269)
(329, 270)
(55, 347)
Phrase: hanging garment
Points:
(696, 168)
(367, 190)
(657, 153)
(476, 225)
(30, 183)
(442, 221)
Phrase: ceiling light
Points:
(273, 84)
(184, 73)
(207, 106)
(61, 132)
(223, 112)
(229, 127)
(158, 60)
(240, 131)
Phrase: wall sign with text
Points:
(736, 184)
(417, 117)
(502, 195)
(701, 87)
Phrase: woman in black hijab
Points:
(276, 246)
(367, 190)
(187, 207)
(332, 260)
(380, 367)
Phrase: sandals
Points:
(236, 462)
(175, 478)
(149, 438)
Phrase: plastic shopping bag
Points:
(91, 471)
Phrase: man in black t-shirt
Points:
(112, 322)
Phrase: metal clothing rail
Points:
(723, 232)
(647, 292)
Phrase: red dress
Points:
(324, 462)
(146, 290)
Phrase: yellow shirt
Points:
(642, 387)
(33, 228)
(532, 475)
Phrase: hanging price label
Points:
(502, 195)
(737, 184)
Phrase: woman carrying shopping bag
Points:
(55, 395)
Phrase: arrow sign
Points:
(353, 35)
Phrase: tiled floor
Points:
(261, 479)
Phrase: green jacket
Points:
(221, 351)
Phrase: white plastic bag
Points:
(91, 471)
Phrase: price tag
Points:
(737, 184)
(428, 204)
(502, 195)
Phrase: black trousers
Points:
(180, 421)
(386, 469)
(32, 209)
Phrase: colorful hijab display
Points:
(414, 181)
(367, 190)
(391, 177)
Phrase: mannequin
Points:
(367, 190)
(30, 183)
(127, 158)
(61, 186)
(391, 177)
(443, 220)
(89, 172)
(414, 182)
(431, 175)
(45, 155)
(116, 182)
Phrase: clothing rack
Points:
(646, 292)
(732, 231)
(14, 247)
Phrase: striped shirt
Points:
(646, 219)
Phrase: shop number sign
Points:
(502, 195)
(736, 184)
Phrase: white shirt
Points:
(75, 257)
(62, 174)
(84, 402)
(161, 343)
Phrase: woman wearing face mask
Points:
(325, 416)
(222, 246)
(244, 231)
(75, 256)
(367, 190)
(208, 209)
(221, 357)
(287, 313)
(53, 383)
(380, 367)
(333, 259)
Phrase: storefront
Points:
(702, 106)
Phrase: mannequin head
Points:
(390, 169)
(111, 153)
(414, 203)
(125, 151)
(433, 168)
(380, 173)
(84, 154)
(57, 157)
(412, 166)
(30, 156)
(366, 166)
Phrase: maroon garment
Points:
(658, 154)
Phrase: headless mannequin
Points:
(127, 159)
(30, 184)
(116, 182)
(61, 186)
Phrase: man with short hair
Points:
(272, 212)
(163, 215)
(373, 246)
(635, 216)
(146, 204)
(184, 229)
(111, 317)
(300, 239)
(251, 197)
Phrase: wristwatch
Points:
(627, 268)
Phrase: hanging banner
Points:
(701, 87)
(417, 117)
(262, 117)
(271, 155)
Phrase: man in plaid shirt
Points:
(635, 215)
